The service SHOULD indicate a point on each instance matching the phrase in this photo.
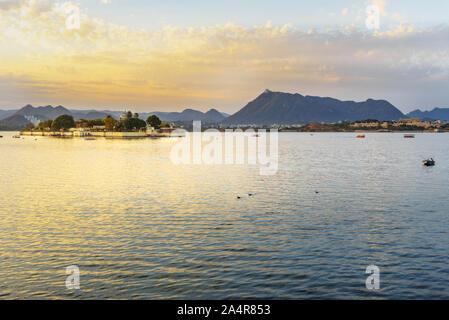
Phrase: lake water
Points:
(139, 227)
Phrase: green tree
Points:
(129, 114)
(110, 123)
(136, 115)
(30, 126)
(63, 122)
(45, 125)
(96, 122)
(154, 121)
(82, 123)
(134, 124)
(120, 126)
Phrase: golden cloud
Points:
(102, 63)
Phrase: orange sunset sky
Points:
(177, 57)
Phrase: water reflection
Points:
(141, 227)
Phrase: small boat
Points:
(90, 139)
(409, 136)
(429, 162)
(1, 136)
(16, 137)
(361, 136)
(256, 135)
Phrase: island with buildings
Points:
(128, 126)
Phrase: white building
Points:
(124, 116)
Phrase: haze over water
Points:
(140, 227)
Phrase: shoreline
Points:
(143, 135)
(368, 131)
(93, 134)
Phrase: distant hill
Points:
(435, 114)
(214, 116)
(285, 108)
(15, 122)
(17, 119)
(43, 113)
(6, 113)
(51, 113)
(91, 115)
(211, 116)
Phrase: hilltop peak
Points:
(212, 111)
(436, 113)
(190, 110)
(287, 108)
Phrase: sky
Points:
(171, 55)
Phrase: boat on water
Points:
(361, 136)
(428, 162)
(16, 137)
(90, 139)
(409, 136)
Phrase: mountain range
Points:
(435, 114)
(211, 116)
(269, 108)
(17, 119)
(284, 108)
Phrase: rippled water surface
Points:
(140, 227)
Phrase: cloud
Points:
(108, 64)
(11, 4)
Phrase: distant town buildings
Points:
(402, 123)
(369, 124)
(414, 122)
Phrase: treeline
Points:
(63, 122)
(132, 122)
